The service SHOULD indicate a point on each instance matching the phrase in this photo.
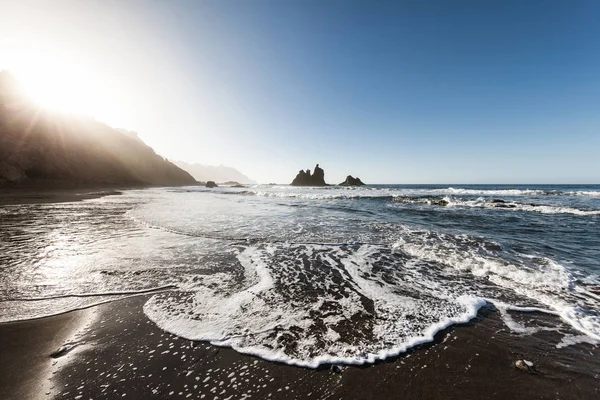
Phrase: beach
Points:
(122, 354)
(173, 292)
(49, 193)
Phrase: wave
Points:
(515, 192)
(495, 204)
(515, 206)
(583, 193)
(314, 304)
(374, 194)
(498, 192)
(333, 192)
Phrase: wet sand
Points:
(25, 353)
(122, 354)
(29, 195)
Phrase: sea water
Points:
(309, 276)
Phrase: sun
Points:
(59, 81)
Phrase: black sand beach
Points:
(40, 194)
(122, 354)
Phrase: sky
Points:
(393, 92)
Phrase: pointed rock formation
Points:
(304, 178)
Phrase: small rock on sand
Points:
(524, 365)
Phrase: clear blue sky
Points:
(394, 92)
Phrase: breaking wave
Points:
(336, 192)
(497, 204)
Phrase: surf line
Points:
(83, 295)
(256, 240)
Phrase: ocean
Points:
(312, 276)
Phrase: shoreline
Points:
(61, 193)
(26, 353)
(123, 353)
(126, 354)
(20, 195)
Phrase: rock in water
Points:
(318, 176)
(352, 181)
(441, 202)
(305, 178)
(211, 184)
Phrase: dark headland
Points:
(46, 150)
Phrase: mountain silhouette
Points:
(42, 147)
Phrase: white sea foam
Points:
(546, 209)
(570, 340)
(308, 316)
(584, 193)
(515, 206)
(544, 282)
(328, 193)
(312, 304)
(492, 192)
(345, 192)
(513, 192)
(455, 197)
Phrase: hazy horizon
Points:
(397, 92)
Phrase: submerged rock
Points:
(211, 184)
(440, 202)
(305, 178)
(352, 181)
(504, 205)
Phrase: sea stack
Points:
(352, 181)
(305, 178)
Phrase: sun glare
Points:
(58, 82)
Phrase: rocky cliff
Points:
(37, 146)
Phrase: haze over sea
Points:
(308, 276)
